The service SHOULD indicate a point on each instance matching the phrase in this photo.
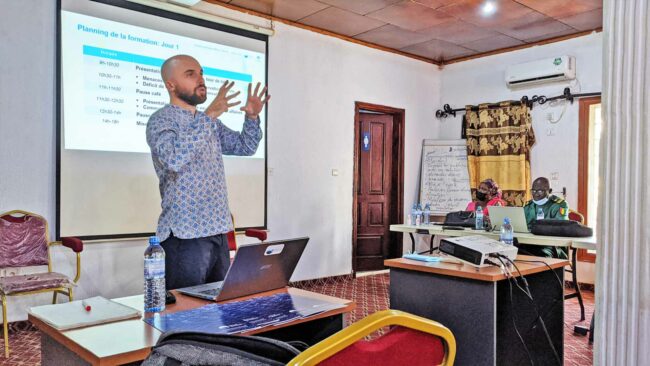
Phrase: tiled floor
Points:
(25, 346)
(371, 295)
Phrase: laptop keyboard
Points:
(212, 291)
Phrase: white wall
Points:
(311, 122)
(556, 150)
(314, 81)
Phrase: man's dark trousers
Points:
(190, 262)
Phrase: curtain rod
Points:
(540, 99)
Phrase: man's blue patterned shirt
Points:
(187, 150)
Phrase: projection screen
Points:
(110, 53)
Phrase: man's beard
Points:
(192, 99)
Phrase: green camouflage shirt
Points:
(554, 208)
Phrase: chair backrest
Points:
(23, 239)
(232, 242)
(414, 341)
(399, 346)
(261, 235)
(576, 216)
(254, 233)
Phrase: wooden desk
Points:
(523, 238)
(475, 305)
(130, 341)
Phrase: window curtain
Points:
(498, 147)
(622, 332)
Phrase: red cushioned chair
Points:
(24, 242)
(576, 216)
(254, 233)
(413, 341)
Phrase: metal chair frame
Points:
(55, 290)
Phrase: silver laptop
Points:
(516, 215)
(256, 268)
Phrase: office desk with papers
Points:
(130, 341)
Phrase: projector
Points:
(476, 248)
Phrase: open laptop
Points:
(256, 268)
(516, 215)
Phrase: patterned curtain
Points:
(498, 147)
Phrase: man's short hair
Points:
(543, 180)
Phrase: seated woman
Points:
(487, 194)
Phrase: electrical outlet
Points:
(555, 175)
(550, 131)
(269, 172)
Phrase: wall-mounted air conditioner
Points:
(541, 71)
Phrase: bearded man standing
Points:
(187, 147)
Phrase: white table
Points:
(523, 238)
(584, 243)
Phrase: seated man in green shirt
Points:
(553, 207)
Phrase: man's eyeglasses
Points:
(538, 191)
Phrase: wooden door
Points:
(374, 191)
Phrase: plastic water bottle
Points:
(154, 277)
(418, 215)
(427, 214)
(413, 217)
(506, 232)
(479, 218)
(540, 214)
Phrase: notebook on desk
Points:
(77, 314)
(256, 268)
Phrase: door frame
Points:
(583, 165)
(397, 175)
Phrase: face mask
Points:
(481, 196)
(541, 202)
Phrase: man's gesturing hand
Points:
(255, 102)
(221, 104)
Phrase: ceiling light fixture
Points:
(488, 8)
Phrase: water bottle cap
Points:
(153, 240)
(506, 220)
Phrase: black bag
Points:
(196, 348)
(460, 218)
(551, 227)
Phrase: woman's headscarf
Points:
(493, 188)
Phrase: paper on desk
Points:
(242, 316)
(73, 314)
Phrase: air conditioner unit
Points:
(541, 71)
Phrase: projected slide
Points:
(109, 60)
(112, 84)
